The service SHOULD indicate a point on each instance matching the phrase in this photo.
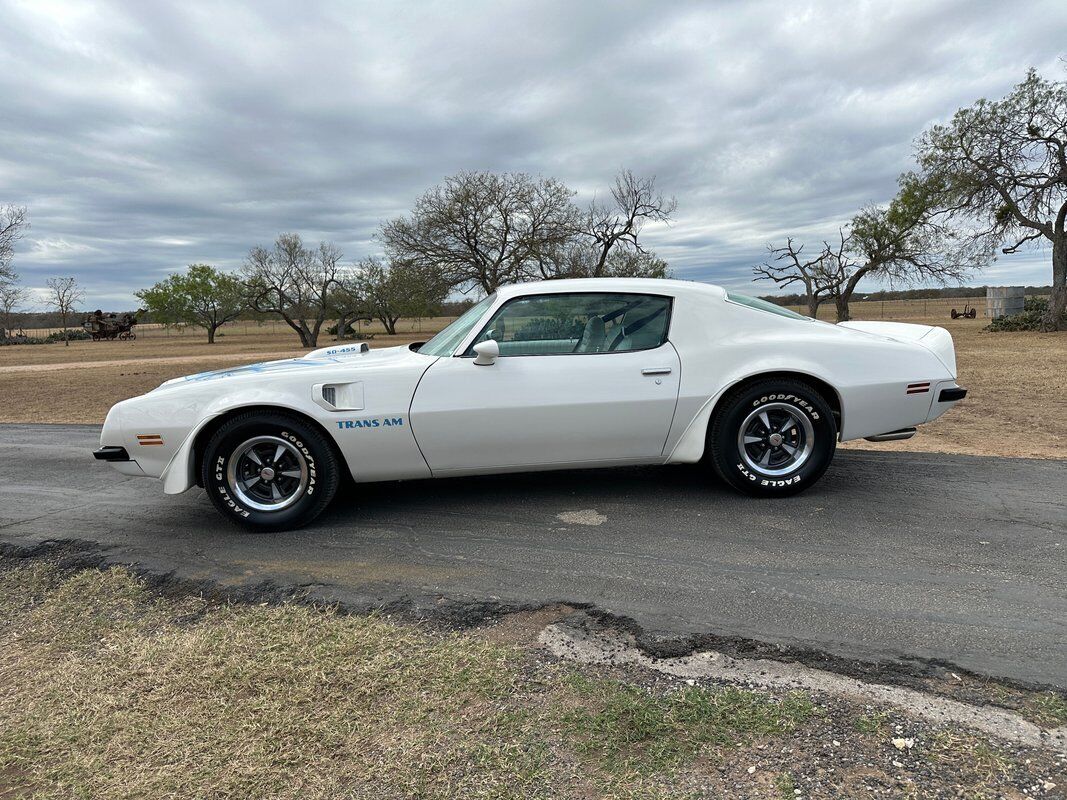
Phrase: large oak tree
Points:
(1000, 167)
(484, 229)
(295, 283)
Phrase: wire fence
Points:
(273, 327)
(931, 309)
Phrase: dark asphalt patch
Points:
(908, 562)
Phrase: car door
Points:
(582, 378)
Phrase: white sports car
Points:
(554, 375)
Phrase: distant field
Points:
(1017, 404)
(902, 310)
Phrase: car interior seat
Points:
(593, 336)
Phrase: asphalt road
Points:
(892, 557)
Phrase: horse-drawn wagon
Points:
(110, 326)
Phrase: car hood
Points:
(343, 357)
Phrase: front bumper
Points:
(111, 454)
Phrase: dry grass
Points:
(108, 690)
(1017, 404)
(111, 692)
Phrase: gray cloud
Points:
(145, 136)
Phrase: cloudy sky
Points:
(144, 136)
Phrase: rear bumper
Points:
(952, 395)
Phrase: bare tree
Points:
(1000, 167)
(13, 224)
(901, 242)
(787, 267)
(294, 283)
(484, 229)
(578, 258)
(389, 292)
(64, 294)
(12, 296)
(635, 201)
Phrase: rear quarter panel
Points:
(722, 343)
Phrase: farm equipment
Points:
(110, 326)
(969, 312)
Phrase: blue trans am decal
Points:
(374, 422)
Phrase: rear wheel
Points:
(269, 471)
(772, 438)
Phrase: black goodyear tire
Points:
(269, 471)
(772, 438)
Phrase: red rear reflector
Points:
(918, 388)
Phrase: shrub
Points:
(52, 338)
(74, 334)
(1030, 320)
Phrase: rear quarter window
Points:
(763, 305)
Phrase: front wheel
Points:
(772, 438)
(269, 471)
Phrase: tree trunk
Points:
(211, 333)
(813, 305)
(841, 301)
(301, 328)
(66, 333)
(388, 323)
(1057, 301)
(342, 326)
(844, 295)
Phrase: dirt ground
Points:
(1016, 406)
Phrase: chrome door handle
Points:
(656, 371)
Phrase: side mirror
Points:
(486, 353)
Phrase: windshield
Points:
(446, 342)
(763, 305)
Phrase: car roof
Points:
(662, 286)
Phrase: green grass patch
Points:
(1048, 709)
(626, 728)
(875, 722)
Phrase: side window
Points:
(586, 322)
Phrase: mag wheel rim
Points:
(775, 439)
(267, 473)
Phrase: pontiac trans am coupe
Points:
(554, 375)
